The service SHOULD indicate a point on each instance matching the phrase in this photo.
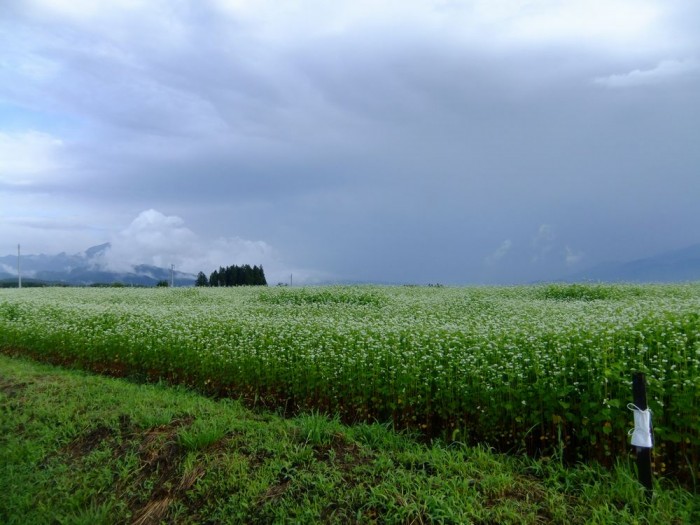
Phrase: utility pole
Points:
(290, 280)
(172, 276)
(19, 274)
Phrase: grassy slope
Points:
(79, 448)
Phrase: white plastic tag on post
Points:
(641, 433)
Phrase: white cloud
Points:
(570, 257)
(501, 252)
(6, 268)
(160, 240)
(83, 10)
(543, 242)
(664, 71)
(151, 238)
(627, 26)
(481, 22)
(614, 21)
(545, 235)
(12, 270)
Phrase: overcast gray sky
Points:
(475, 141)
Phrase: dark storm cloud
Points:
(371, 147)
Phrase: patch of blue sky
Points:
(15, 118)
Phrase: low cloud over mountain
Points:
(87, 267)
(144, 250)
(106, 264)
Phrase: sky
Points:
(453, 142)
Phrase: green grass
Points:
(79, 448)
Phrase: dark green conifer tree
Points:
(234, 276)
(201, 280)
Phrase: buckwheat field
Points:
(540, 369)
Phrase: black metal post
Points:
(639, 394)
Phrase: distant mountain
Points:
(85, 268)
(673, 266)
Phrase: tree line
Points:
(233, 276)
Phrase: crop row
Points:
(543, 368)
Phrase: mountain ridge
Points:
(89, 267)
(86, 268)
(678, 265)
